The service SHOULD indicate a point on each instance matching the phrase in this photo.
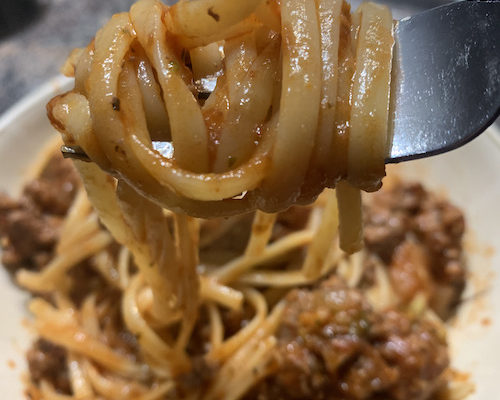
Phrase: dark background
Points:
(36, 36)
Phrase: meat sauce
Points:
(419, 237)
(29, 227)
(332, 344)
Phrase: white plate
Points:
(469, 176)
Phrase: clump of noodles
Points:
(215, 108)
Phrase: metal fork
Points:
(445, 87)
(445, 78)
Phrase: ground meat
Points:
(406, 216)
(440, 226)
(55, 188)
(198, 379)
(410, 273)
(388, 217)
(416, 349)
(29, 227)
(27, 236)
(332, 346)
(47, 361)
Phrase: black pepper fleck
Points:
(115, 103)
(120, 151)
(213, 14)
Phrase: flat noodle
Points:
(206, 61)
(299, 106)
(238, 266)
(155, 247)
(112, 388)
(216, 326)
(207, 17)
(370, 93)
(154, 107)
(350, 218)
(154, 346)
(346, 68)
(188, 130)
(252, 356)
(187, 293)
(77, 215)
(249, 93)
(112, 43)
(329, 14)
(268, 12)
(123, 268)
(229, 346)
(262, 228)
(293, 277)
(105, 266)
(351, 269)
(256, 356)
(49, 393)
(80, 384)
(212, 290)
(76, 126)
(90, 320)
(243, 27)
(318, 249)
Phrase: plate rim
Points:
(53, 86)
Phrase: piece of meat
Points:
(29, 227)
(440, 226)
(55, 188)
(409, 272)
(332, 346)
(368, 375)
(47, 361)
(28, 237)
(405, 213)
(388, 217)
(7, 205)
(416, 350)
